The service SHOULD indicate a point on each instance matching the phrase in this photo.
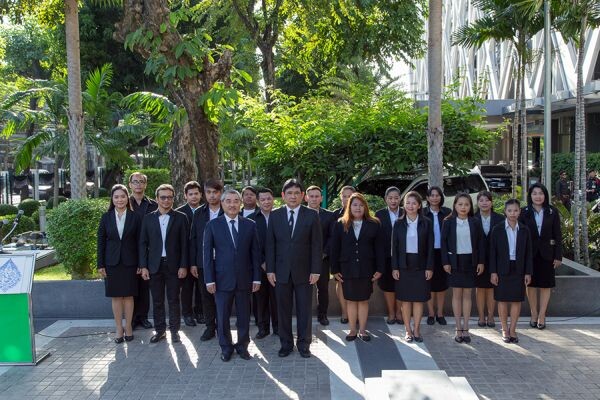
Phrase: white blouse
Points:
(486, 221)
(412, 237)
(120, 222)
(463, 237)
(357, 225)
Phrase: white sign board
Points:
(16, 272)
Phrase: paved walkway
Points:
(561, 362)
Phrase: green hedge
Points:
(566, 162)
(29, 206)
(156, 177)
(25, 225)
(375, 203)
(50, 203)
(8, 209)
(72, 229)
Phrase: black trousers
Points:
(224, 302)
(141, 302)
(161, 280)
(208, 303)
(286, 292)
(191, 301)
(323, 289)
(266, 306)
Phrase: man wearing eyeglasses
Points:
(163, 257)
(141, 205)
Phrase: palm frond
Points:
(158, 106)
(25, 152)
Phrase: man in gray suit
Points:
(293, 257)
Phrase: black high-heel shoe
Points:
(128, 338)
(119, 340)
(466, 339)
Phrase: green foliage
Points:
(593, 219)
(566, 162)
(7, 209)
(375, 203)
(50, 203)
(156, 177)
(29, 206)
(72, 230)
(25, 225)
(35, 217)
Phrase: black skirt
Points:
(387, 282)
(464, 275)
(412, 285)
(357, 289)
(439, 281)
(121, 281)
(511, 287)
(483, 281)
(543, 273)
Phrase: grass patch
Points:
(53, 273)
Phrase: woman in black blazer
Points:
(388, 217)
(357, 260)
(511, 264)
(117, 258)
(463, 255)
(412, 263)
(436, 212)
(543, 222)
(485, 291)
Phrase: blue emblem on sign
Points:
(10, 275)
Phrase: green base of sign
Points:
(16, 342)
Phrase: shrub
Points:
(29, 206)
(566, 219)
(50, 203)
(156, 177)
(375, 203)
(8, 209)
(25, 225)
(566, 162)
(72, 229)
(35, 217)
(103, 192)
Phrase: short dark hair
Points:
(348, 187)
(213, 184)
(440, 192)
(543, 189)
(164, 186)
(510, 202)
(390, 190)
(192, 185)
(137, 173)
(290, 183)
(264, 190)
(250, 188)
(116, 187)
(313, 187)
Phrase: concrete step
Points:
(418, 385)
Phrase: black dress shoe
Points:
(418, 339)
(261, 335)
(514, 339)
(481, 324)
(145, 324)
(175, 337)
(390, 321)
(430, 320)
(119, 340)
(225, 357)
(200, 318)
(304, 353)
(284, 352)
(128, 338)
(399, 321)
(541, 326)
(244, 355)
(323, 320)
(441, 320)
(189, 321)
(207, 335)
(157, 337)
(533, 324)
(275, 332)
(344, 320)
(350, 338)
(365, 337)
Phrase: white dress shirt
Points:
(512, 240)
(539, 219)
(437, 231)
(213, 214)
(120, 222)
(412, 237)
(486, 222)
(245, 212)
(296, 210)
(393, 216)
(357, 225)
(463, 237)
(163, 220)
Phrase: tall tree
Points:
(504, 20)
(435, 131)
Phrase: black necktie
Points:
(234, 233)
(291, 222)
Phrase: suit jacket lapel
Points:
(171, 218)
(128, 221)
(472, 233)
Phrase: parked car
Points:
(471, 183)
(498, 177)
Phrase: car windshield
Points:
(377, 185)
(493, 169)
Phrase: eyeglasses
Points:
(136, 182)
(163, 198)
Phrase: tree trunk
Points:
(524, 138)
(75, 112)
(268, 71)
(580, 205)
(435, 132)
(183, 168)
(515, 127)
(56, 179)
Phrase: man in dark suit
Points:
(345, 193)
(264, 298)
(190, 290)
(294, 252)
(163, 253)
(313, 199)
(232, 271)
(209, 211)
(141, 205)
(249, 199)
